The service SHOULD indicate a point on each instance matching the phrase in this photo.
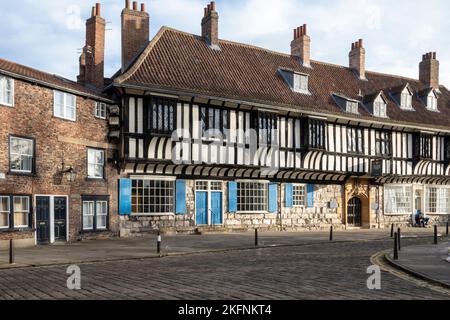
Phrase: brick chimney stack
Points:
(135, 32)
(92, 60)
(358, 59)
(210, 25)
(301, 45)
(429, 70)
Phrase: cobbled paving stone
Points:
(319, 271)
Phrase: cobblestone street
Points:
(317, 271)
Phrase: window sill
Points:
(96, 180)
(23, 174)
(93, 232)
(6, 105)
(152, 214)
(16, 230)
(65, 119)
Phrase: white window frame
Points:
(406, 100)
(155, 178)
(352, 106)
(65, 106)
(3, 94)
(105, 214)
(90, 163)
(432, 102)
(8, 213)
(295, 200)
(89, 202)
(98, 110)
(439, 189)
(265, 196)
(27, 212)
(379, 108)
(386, 199)
(300, 83)
(21, 155)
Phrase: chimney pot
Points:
(135, 5)
(206, 12)
(98, 9)
(127, 4)
(93, 12)
(304, 30)
(210, 25)
(429, 70)
(360, 43)
(357, 59)
(143, 7)
(301, 45)
(213, 6)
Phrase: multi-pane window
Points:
(406, 100)
(214, 122)
(426, 146)
(301, 83)
(437, 200)
(162, 116)
(299, 195)
(355, 140)
(317, 134)
(95, 213)
(352, 107)
(379, 108)
(4, 212)
(64, 105)
(21, 209)
(252, 197)
(152, 196)
(267, 129)
(398, 199)
(382, 143)
(101, 110)
(96, 163)
(432, 102)
(6, 91)
(21, 155)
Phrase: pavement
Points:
(426, 261)
(144, 248)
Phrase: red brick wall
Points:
(32, 116)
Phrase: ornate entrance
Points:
(354, 212)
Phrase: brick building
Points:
(58, 181)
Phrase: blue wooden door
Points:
(201, 208)
(216, 208)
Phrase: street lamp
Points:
(70, 175)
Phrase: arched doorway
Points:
(354, 212)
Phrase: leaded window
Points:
(398, 199)
(252, 197)
(214, 122)
(162, 116)
(426, 146)
(382, 143)
(317, 134)
(267, 129)
(152, 196)
(355, 140)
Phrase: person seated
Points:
(417, 217)
(423, 220)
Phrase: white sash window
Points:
(6, 91)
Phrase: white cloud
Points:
(47, 34)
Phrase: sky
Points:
(49, 34)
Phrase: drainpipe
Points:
(279, 207)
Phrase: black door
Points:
(354, 212)
(60, 218)
(43, 219)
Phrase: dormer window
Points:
(298, 82)
(379, 108)
(352, 107)
(376, 104)
(301, 83)
(406, 99)
(430, 99)
(432, 102)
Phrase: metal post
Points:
(256, 237)
(392, 230)
(158, 244)
(399, 235)
(447, 229)
(435, 235)
(395, 247)
(331, 233)
(11, 251)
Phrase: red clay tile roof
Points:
(179, 61)
(21, 71)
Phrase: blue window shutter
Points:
(273, 197)
(180, 200)
(125, 197)
(310, 190)
(232, 197)
(288, 190)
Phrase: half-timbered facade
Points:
(217, 133)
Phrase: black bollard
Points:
(447, 229)
(256, 237)
(158, 244)
(399, 235)
(11, 251)
(395, 247)
(392, 230)
(435, 235)
(331, 233)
